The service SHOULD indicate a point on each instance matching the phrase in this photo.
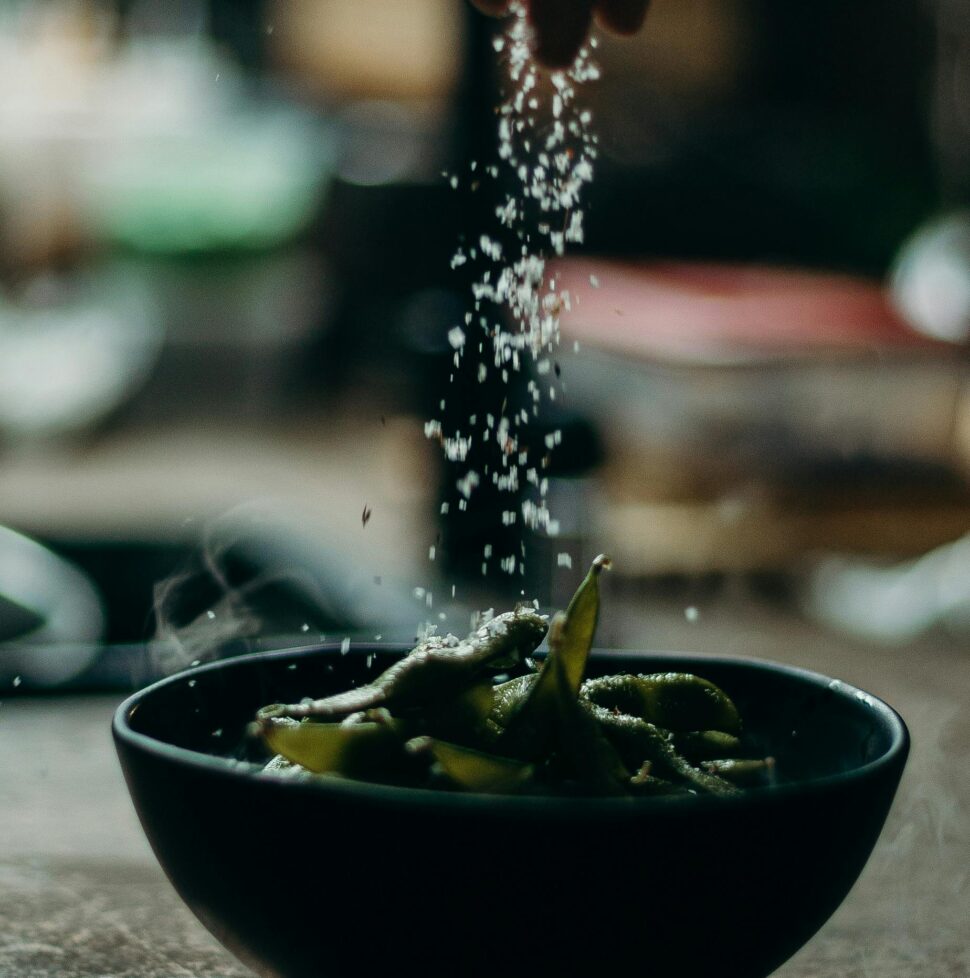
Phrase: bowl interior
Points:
(813, 726)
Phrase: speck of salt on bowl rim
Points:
(516, 805)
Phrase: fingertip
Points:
(559, 30)
(621, 16)
(494, 8)
(554, 53)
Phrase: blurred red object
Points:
(706, 313)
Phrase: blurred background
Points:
(225, 293)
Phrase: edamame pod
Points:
(705, 745)
(677, 701)
(531, 728)
(474, 770)
(440, 667)
(638, 740)
(369, 751)
(742, 771)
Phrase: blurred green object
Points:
(250, 181)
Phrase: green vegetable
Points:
(474, 770)
(742, 771)
(438, 718)
(435, 669)
(533, 725)
(360, 750)
(672, 700)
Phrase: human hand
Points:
(561, 26)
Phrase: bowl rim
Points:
(439, 800)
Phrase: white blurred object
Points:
(896, 604)
(71, 350)
(931, 280)
(67, 608)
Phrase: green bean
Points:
(532, 726)
(475, 770)
(645, 784)
(704, 745)
(507, 699)
(638, 740)
(465, 718)
(439, 667)
(742, 771)
(584, 754)
(368, 750)
(579, 625)
(673, 700)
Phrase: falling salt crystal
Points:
(564, 560)
(17, 680)
(193, 683)
(431, 552)
(546, 143)
(304, 628)
(594, 281)
(210, 615)
(419, 593)
(575, 230)
(468, 483)
(345, 646)
(491, 249)
(217, 733)
(691, 613)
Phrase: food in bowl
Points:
(449, 715)
(323, 877)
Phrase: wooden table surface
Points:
(81, 895)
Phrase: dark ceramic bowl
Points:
(341, 878)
